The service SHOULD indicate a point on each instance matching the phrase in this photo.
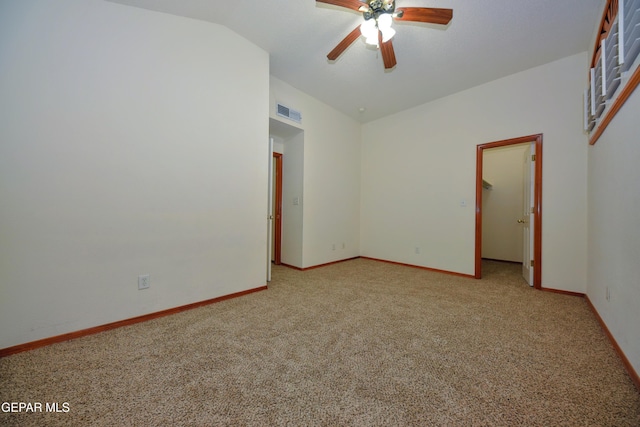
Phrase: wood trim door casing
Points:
(537, 204)
(277, 235)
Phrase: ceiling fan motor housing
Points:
(378, 7)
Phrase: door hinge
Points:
(533, 210)
(533, 157)
(532, 263)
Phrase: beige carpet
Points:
(360, 343)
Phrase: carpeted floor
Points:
(359, 343)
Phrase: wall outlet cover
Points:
(144, 282)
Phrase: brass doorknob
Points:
(521, 221)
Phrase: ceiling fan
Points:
(376, 28)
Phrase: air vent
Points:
(287, 112)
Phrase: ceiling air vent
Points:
(287, 112)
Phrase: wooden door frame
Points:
(277, 200)
(537, 203)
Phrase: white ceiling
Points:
(484, 41)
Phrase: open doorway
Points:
(285, 195)
(274, 205)
(528, 221)
(276, 213)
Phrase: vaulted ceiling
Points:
(484, 41)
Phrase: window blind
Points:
(619, 57)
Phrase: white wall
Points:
(502, 205)
(419, 165)
(123, 154)
(614, 235)
(331, 183)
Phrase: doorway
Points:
(274, 209)
(531, 221)
(276, 253)
(285, 159)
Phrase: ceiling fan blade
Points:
(344, 44)
(429, 15)
(349, 4)
(388, 54)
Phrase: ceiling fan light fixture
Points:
(384, 24)
(373, 40)
(387, 34)
(369, 30)
(384, 21)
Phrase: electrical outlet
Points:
(144, 282)
(417, 250)
(608, 294)
(343, 245)
(333, 247)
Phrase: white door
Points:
(270, 212)
(527, 215)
